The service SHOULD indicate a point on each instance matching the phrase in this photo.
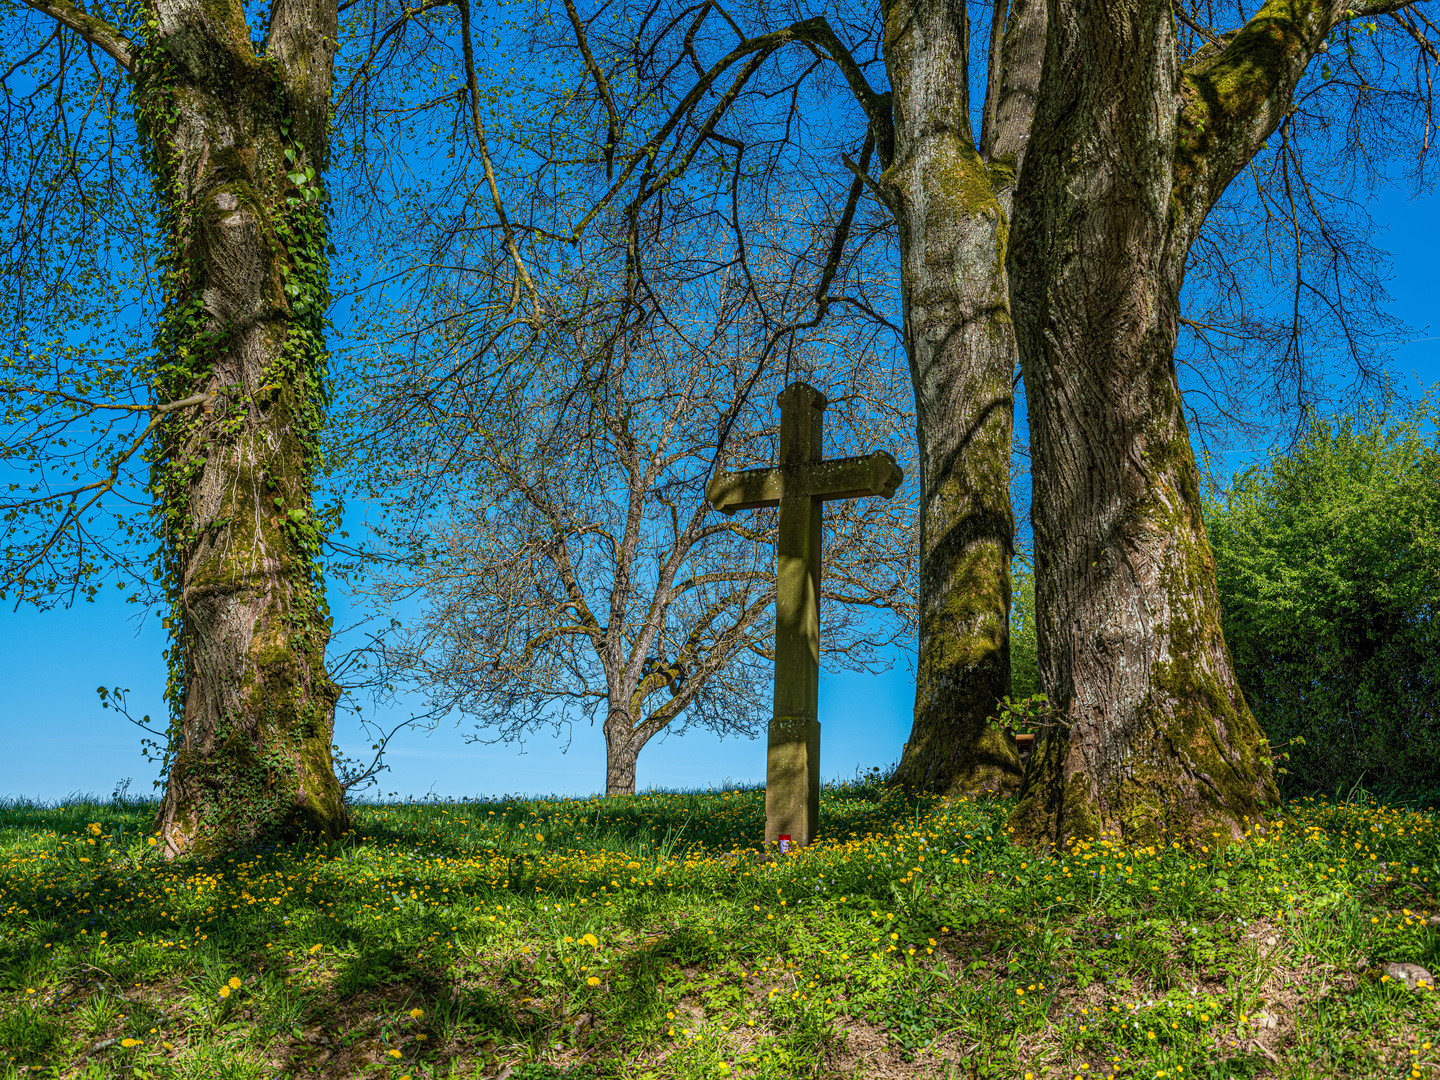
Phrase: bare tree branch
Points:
(96, 31)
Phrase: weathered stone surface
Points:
(799, 484)
(1413, 976)
(792, 780)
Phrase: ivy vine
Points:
(293, 209)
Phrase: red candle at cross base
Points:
(784, 843)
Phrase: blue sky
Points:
(57, 740)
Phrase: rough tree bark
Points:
(622, 753)
(240, 155)
(237, 142)
(951, 200)
(1132, 149)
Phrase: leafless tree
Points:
(544, 493)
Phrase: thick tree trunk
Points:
(952, 203)
(239, 146)
(1159, 738)
(622, 753)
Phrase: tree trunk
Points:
(238, 146)
(622, 752)
(952, 203)
(1159, 738)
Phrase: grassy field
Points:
(647, 937)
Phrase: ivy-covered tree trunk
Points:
(951, 199)
(1132, 149)
(238, 144)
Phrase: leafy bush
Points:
(1024, 648)
(1328, 560)
(1028, 715)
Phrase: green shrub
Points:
(1328, 561)
(1024, 649)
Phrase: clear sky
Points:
(56, 740)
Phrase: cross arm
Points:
(853, 477)
(746, 490)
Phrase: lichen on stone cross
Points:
(798, 485)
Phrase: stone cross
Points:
(798, 485)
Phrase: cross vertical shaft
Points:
(792, 766)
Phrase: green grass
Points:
(646, 937)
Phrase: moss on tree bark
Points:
(1132, 149)
(951, 200)
(238, 148)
